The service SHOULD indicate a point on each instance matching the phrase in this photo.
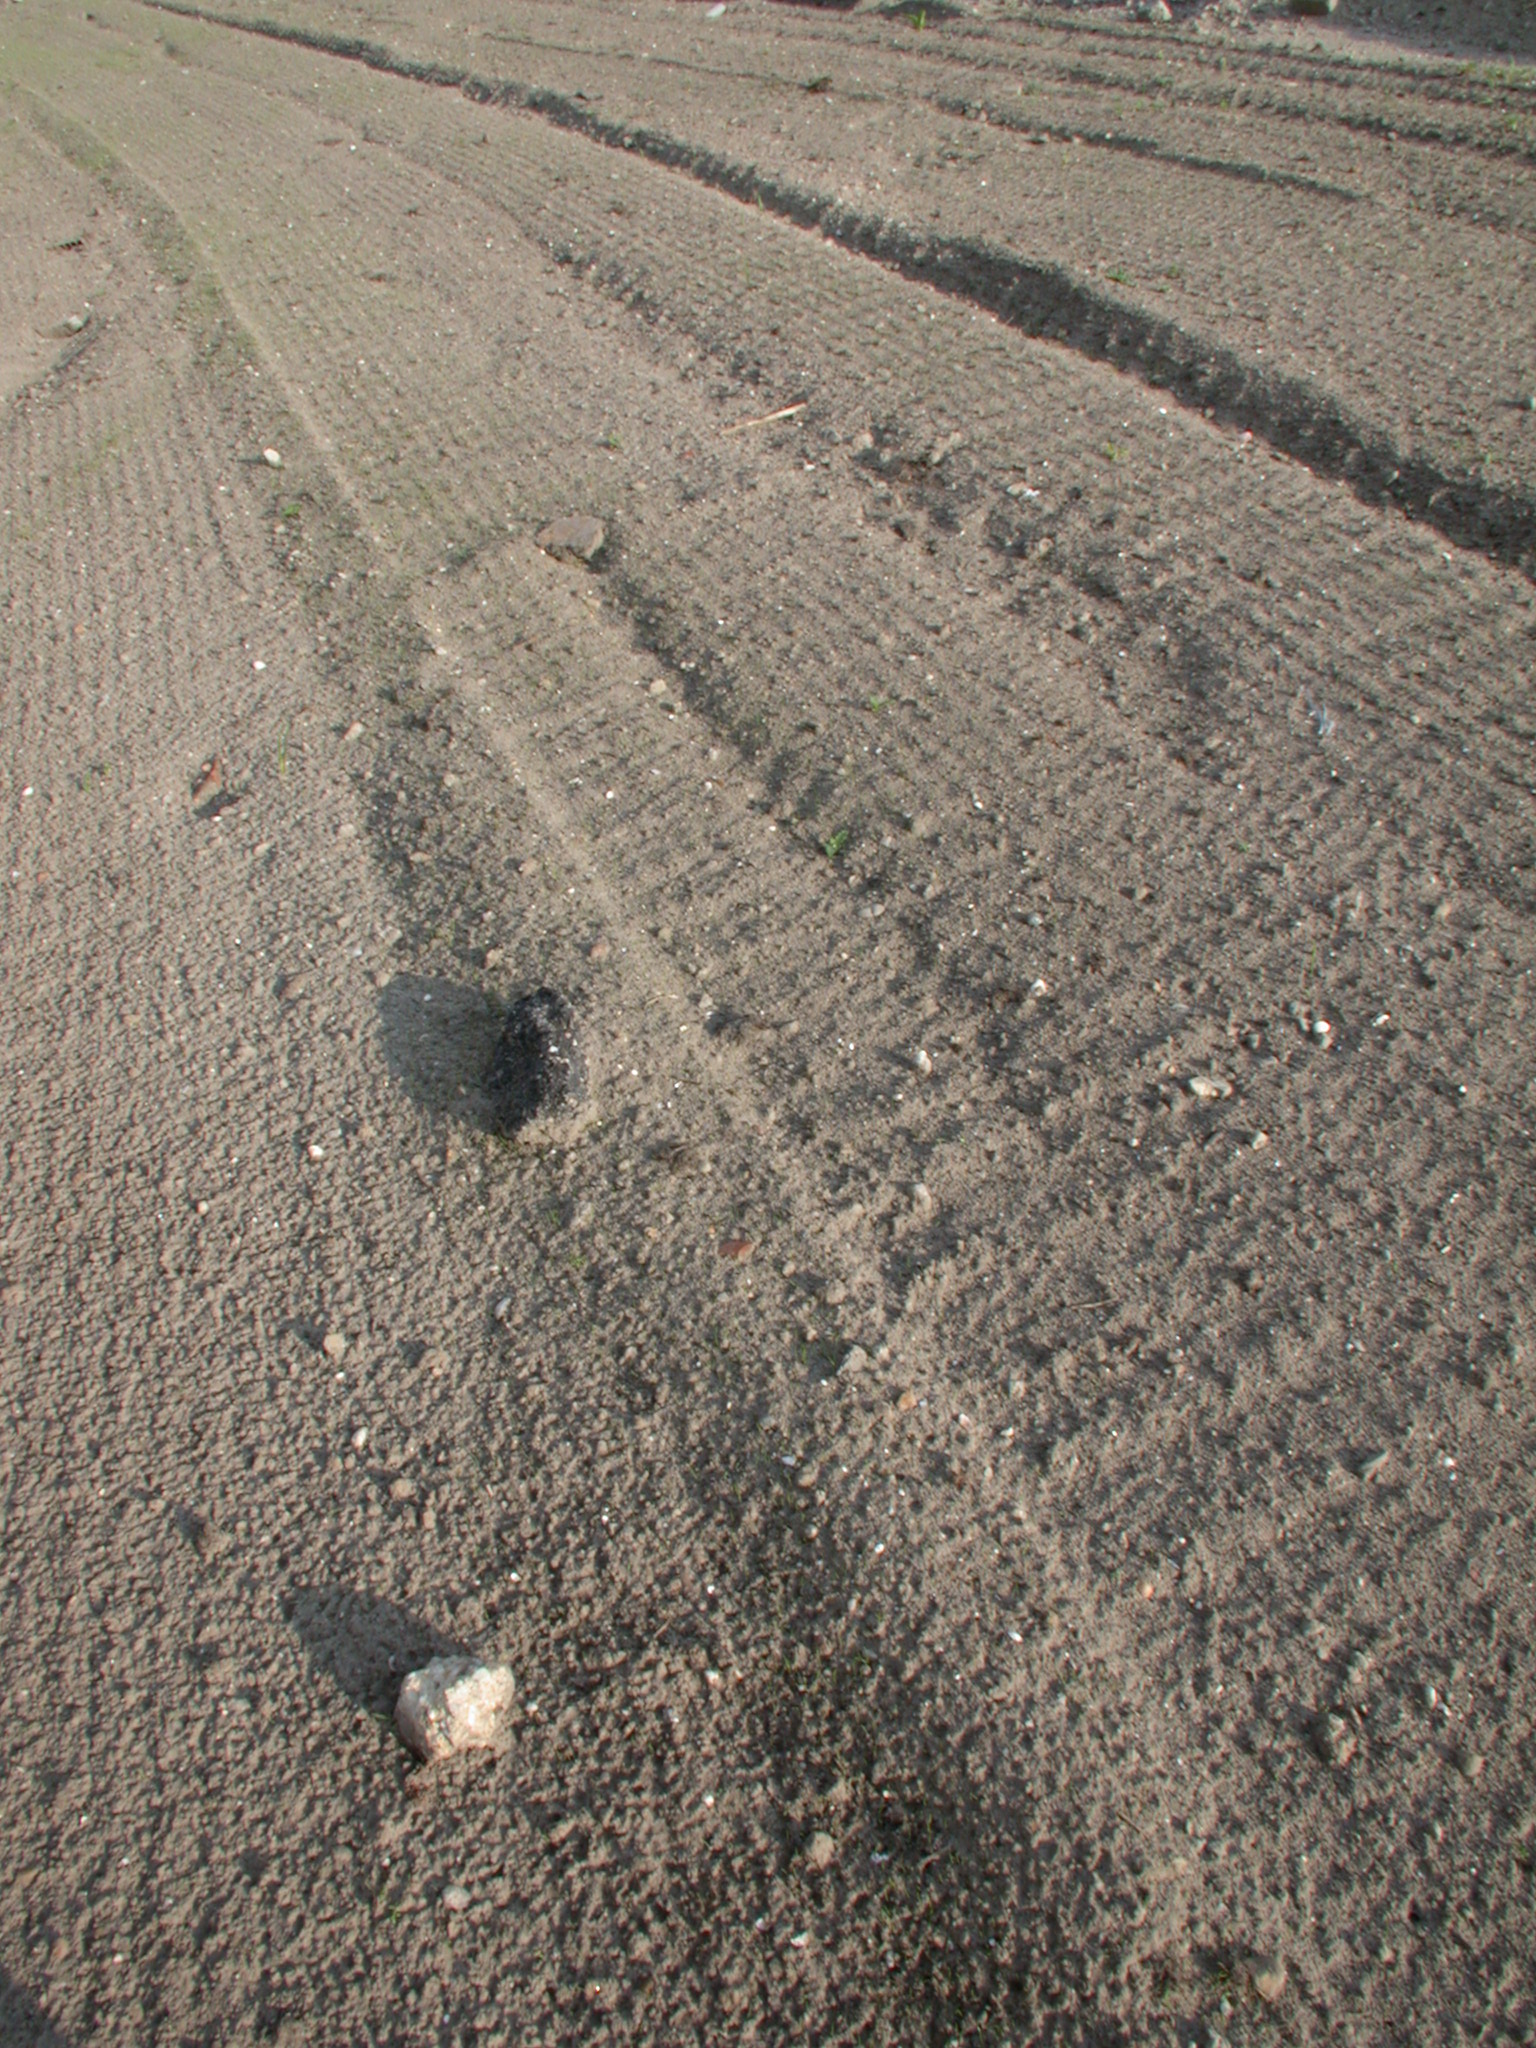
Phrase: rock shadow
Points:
(23, 2023)
(438, 1039)
(364, 1645)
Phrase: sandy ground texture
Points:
(998, 1446)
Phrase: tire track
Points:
(1055, 1481)
(1041, 300)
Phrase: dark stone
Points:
(537, 1068)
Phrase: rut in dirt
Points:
(982, 1454)
(1042, 301)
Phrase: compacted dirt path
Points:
(999, 1453)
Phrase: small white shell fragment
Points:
(360, 1438)
(452, 1704)
(1039, 987)
(922, 1062)
(271, 458)
(1209, 1087)
(1322, 1030)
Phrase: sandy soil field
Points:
(998, 1445)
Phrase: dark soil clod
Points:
(537, 1068)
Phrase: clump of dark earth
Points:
(537, 1068)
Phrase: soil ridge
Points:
(1041, 299)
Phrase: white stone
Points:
(1210, 1087)
(451, 1704)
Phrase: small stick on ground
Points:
(764, 419)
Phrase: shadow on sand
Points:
(438, 1039)
(23, 2023)
(365, 1645)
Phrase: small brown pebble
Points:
(334, 1345)
(599, 950)
(1269, 1978)
(906, 1402)
(736, 1248)
(580, 537)
(1334, 1739)
(210, 780)
(820, 1850)
(206, 1537)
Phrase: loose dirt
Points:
(997, 1446)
